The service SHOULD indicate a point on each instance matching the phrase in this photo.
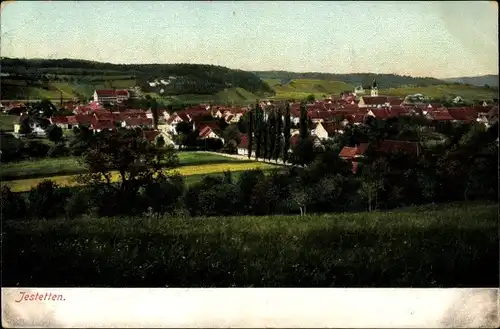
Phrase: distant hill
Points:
(365, 79)
(480, 81)
(40, 78)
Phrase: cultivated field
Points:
(301, 88)
(442, 246)
(467, 92)
(7, 122)
(48, 167)
(215, 167)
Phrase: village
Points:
(326, 118)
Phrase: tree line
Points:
(460, 169)
(199, 79)
(365, 79)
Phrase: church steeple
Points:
(374, 92)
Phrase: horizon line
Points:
(251, 71)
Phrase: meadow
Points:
(301, 88)
(47, 167)
(192, 167)
(454, 245)
(467, 92)
(7, 122)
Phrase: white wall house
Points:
(320, 131)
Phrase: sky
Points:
(417, 38)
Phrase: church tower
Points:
(374, 88)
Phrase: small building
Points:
(60, 121)
(137, 123)
(111, 95)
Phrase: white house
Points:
(320, 131)
(36, 128)
(207, 132)
(61, 122)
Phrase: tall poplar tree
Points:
(258, 130)
(304, 133)
(271, 131)
(278, 136)
(250, 132)
(265, 135)
(286, 133)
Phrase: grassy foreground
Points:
(22, 185)
(454, 246)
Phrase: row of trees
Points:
(461, 169)
(269, 132)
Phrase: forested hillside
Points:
(366, 79)
(490, 80)
(80, 77)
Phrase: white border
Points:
(249, 307)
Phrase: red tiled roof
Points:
(244, 141)
(102, 124)
(374, 100)
(381, 113)
(442, 115)
(214, 126)
(121, 92)
(62, 120)
(357, 118)
(138, 122)
(463, 113)
(103, 116)
(133, 114)
(351, 152)
(80, 119)
(105, 92)
(319, 114)
(331, 127)
(172, 118)
(395, 100)
(184, 116)
(348, 152)
(205, 131)
(435, 105)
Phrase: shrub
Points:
(44, 200)
(246, 183)
(36, 149)
(58, 150)
(77, 204)
(13, 205)
(163, 195)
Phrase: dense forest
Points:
(190, 78)
(366, 79)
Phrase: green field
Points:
(301, 88)
(238, 96)
(23, 185)
(48, 167)
(467, 92)
(7, 122)
(438, 246)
